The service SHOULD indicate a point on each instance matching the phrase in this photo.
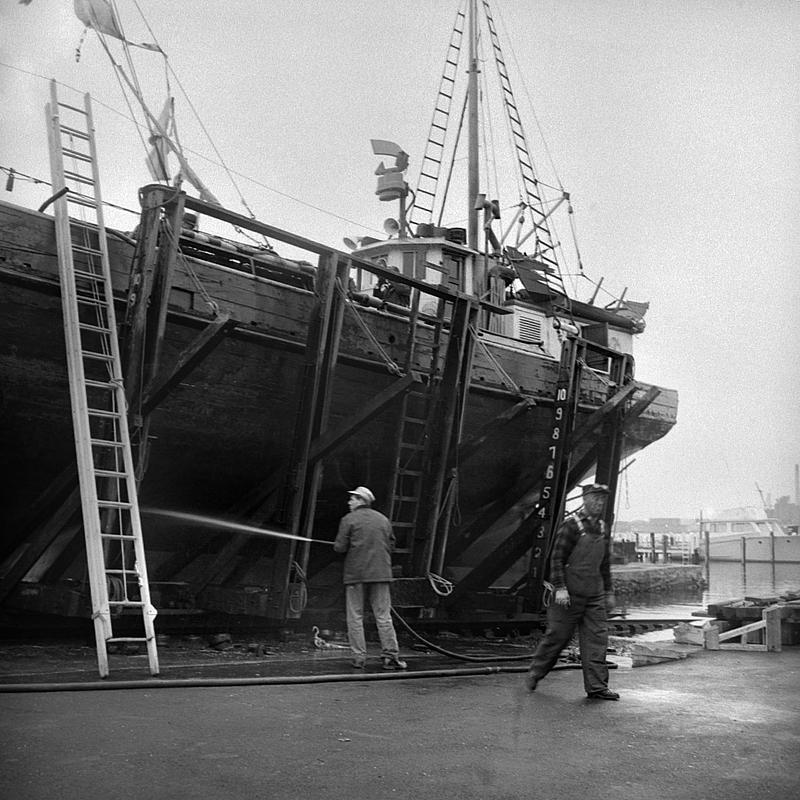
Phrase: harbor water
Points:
(725, 580)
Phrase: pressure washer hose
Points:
(459, 656)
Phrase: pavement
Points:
(297, 722)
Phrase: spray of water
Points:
(224, 524)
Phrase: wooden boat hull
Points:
(229, 426)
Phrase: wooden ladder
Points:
(109, 503)
(412, 437)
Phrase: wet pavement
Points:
(298, 723)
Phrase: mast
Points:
(472, 132)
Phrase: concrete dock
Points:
(713, 725)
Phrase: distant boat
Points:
(747, 537)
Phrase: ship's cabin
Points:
(536, 318)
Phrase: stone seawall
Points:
(655, 578)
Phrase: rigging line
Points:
(119, 72)
(131, 118)
(128, 58)
(222, 162)
(212, 304)
(512, 147)
(452, 164)
(487, 122)
(504, 376)
(530, 101)
(390, 364)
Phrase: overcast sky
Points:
(674, 125)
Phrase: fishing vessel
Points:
(449, 368)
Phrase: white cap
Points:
(363, 493)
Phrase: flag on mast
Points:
(100, 16)
(157, 155)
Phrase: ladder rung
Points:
(67, 151)
(114, 504)
(128, 604)
(78, 178)
(401, 551)
(101, 384)
(101, 412)
(94, 328)
(80, 200)
(97, 356)
(72, 108)
(120, 639)
(415, 472)
(74, 132)
(403, 524)
(90, 276)
(404, 498)
(105, 443)
(77, 248)
(110, 473)
(409, 446)
(92, 301)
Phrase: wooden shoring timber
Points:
(515, 516)
(475, 443)
(609, 449)
(585, 464)
(314, 391)
(770, 624)
(445, 429)
(502, 558)
(253, 508)
(327, 443)
(64, 508)
(518, 501)
(250, 508)
(143, 328)
(164, 382)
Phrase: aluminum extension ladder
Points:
(109, 503)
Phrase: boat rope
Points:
(210, 302)
(599, 375)
(505, 378)
(440, 585)
(451, 165)
(390, 364)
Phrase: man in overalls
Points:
(580, 572)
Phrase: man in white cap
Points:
(580, 571)
(366, 538)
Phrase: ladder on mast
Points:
(109, 502)
(425, 197)
(545, 249)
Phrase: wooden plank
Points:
(772, 625)
(327, 443)
(475, 443)
(324, 251)
(732, 634)
(165, 381)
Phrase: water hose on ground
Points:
(459, 656)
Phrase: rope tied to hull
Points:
(391, 365)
